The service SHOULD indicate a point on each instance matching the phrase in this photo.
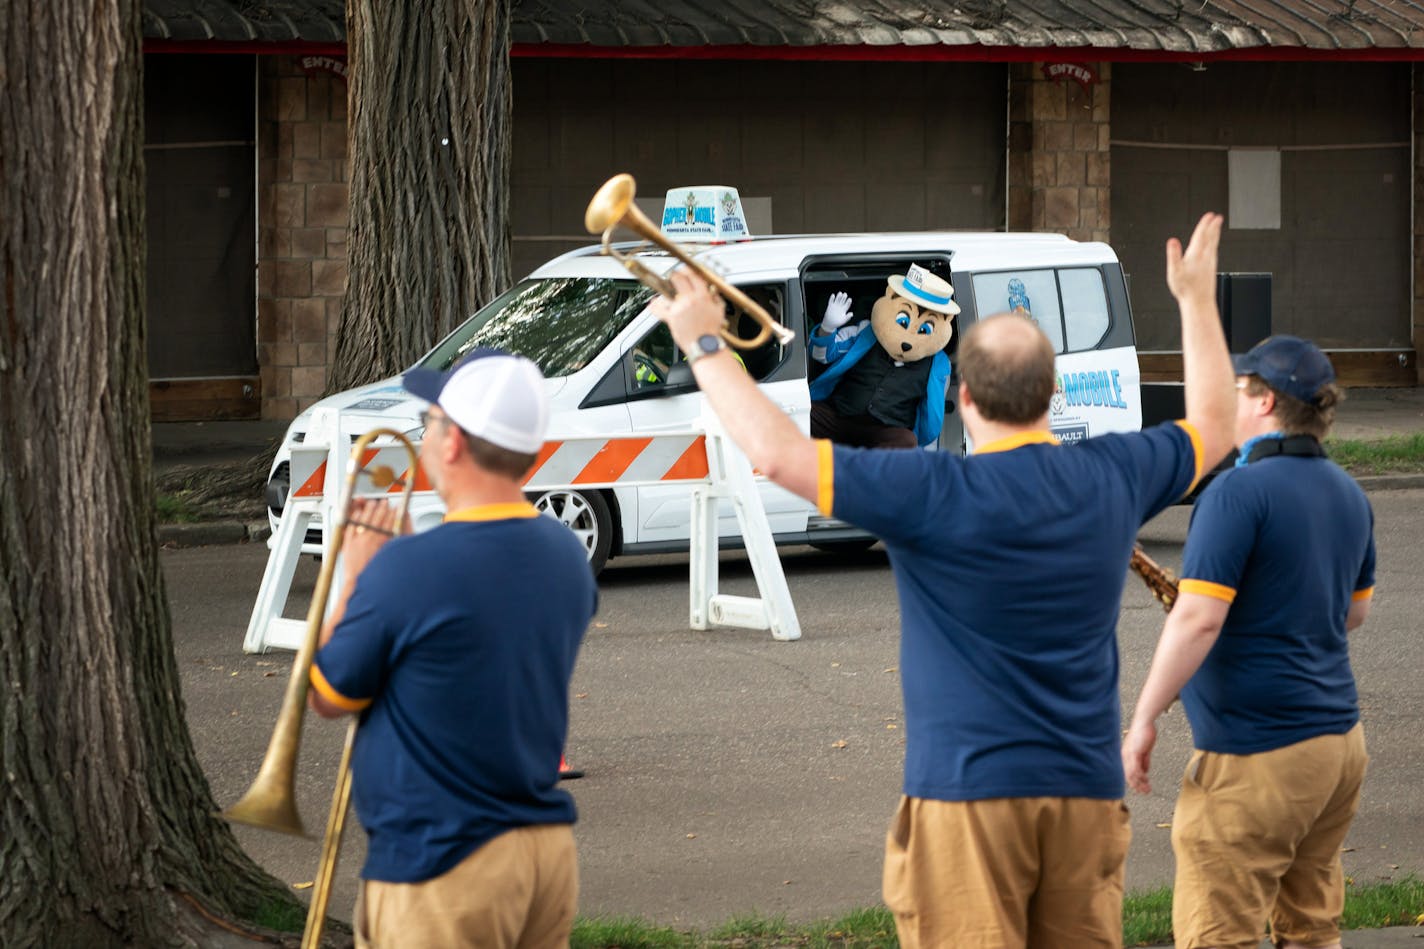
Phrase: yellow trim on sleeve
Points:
(493, 512)
(1364, 594)
(319, 683)
(1195, 436)
(1036, 437)
(1207, 588)
(825, 476)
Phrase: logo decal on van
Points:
(374, 405)
(1100, 387)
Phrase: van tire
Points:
(585, 513)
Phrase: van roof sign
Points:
(705, 213)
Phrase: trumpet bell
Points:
(269, 808)
(610, 203)
(613, 205)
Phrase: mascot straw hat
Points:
(925, 290)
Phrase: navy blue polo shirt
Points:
(459, 644)
(1010, 566)
(1288, 541)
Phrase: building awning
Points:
(244, 21)
(861, 28)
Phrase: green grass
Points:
(283, 916)
(1147, 917)
(173, 509)
(1395, 903)
(1397, 454)
(1146, 920)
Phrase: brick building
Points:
(1121, 126)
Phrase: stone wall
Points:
(1060, 174)
(302, 225)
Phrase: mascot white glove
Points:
(837, 312)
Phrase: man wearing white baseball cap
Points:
(449, 646)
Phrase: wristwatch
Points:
(706, 345)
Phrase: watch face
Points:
(708, 343)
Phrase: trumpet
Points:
(270, 803)
(613, 205)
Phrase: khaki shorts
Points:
(1257, 838)
(518, 890)
(1007, 873)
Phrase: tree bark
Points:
(430, 101)
(105, 816)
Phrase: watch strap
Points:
(705, 348)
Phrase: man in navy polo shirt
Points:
(1010, 566)
(458, 658)
(1279, 564)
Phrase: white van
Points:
(613, 370)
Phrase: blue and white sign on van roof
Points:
(705, 214)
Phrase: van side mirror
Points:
(680, 376)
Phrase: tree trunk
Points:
(106, 826)
(430, 103)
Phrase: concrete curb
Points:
(1397, 482)
(209, 533)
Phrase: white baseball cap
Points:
(490, 394)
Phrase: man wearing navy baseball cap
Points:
(1279, 564)
(451, 648)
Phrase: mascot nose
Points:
(905, 347)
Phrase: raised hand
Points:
(837, 312)
(1191, 274)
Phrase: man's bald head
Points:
(1007, 364)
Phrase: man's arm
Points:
(1206, 363)
(1191, 630)
(771, 440)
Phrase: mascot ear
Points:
(889, 291)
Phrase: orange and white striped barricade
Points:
(707, 460)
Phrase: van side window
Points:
(652, 355)
(655, 353)
(1030, 293)
(762, 360)
(1085, 307)
(1070, 305)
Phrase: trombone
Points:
(613, 205)
(270, 803)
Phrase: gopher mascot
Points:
(885, 379)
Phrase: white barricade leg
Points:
(761, 551)
(730, 475)
(702, 555)
(267, 627)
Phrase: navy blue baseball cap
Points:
(1288, 364)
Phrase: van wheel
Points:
(587, 515)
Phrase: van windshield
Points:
(560, 323)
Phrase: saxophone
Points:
(1158, 578)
